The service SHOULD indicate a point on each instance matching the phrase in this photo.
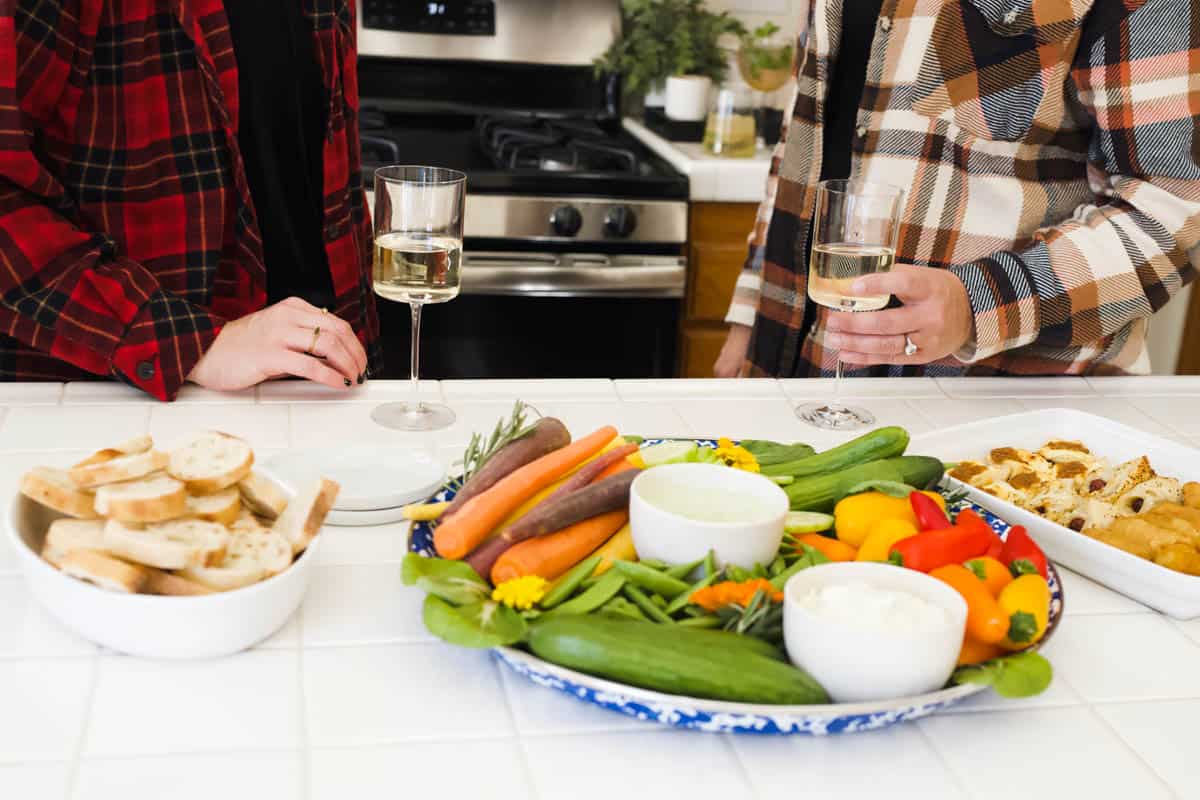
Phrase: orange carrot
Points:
(832, 549)
(613, 469)
(552, 555)
(531, 503)
(460, 534)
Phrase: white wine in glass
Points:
(855, 227)
(418, 257)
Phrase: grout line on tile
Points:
(963, 787)
(742, 769)
(76, 761)
(522, 746)
(1096, 715)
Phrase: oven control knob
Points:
(620, 221)
(566, 221)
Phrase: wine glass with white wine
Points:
(855, 226)
(418, 256)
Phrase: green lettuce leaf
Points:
(1019, 675)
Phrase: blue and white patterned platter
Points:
(717, 716)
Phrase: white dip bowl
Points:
(154, 626)
(855, 662)
(672, 509)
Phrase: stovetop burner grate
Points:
(554, 146)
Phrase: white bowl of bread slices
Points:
(187, 553)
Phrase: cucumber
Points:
(666, 452)
(822, 492)
(879, 443)
(674, 659)
(807, 522)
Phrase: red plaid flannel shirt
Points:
(127, 233)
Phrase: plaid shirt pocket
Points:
(998, 68)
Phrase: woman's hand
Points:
(272, 343)
(936, 317)
(733, 353)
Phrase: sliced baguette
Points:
(67, 535)
(263, 496)
(118, 469)
(252, 556)
(169, 545)
(104, 571)
(54, 489)
(211, 462)
(166, 583)
(224, 507)
(139, 444)
(305, 513)
(156, 498)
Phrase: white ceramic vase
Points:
(687, 97)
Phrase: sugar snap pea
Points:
(681, 571)
(736, 573)
(707, 621)
(604, 590)
(647, 578)
(710, 564)
(565, 586)
(619, 606)
(645, 604)
(654, 563)
(682, 600)
(777, 566)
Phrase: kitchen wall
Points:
(755, 12)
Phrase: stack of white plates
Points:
(377, 480)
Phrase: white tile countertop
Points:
(353, 699)
(710, 178)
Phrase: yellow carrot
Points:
(618, 548)
(552, 555)
(424, 512)
(471, 523)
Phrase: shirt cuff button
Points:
(145, 370)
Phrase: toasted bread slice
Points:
(305, 514)
(252, 556)
(167, 583)
(139, 444)
(118, 469)
(224, 507)
(68, 535)
(263, 496)
(104, 571)
(211, 462)
(168, 545)
(54, 489)
(156, 498)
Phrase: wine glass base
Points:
(407, 417)
(835, 416)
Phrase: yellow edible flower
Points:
(521, 593)
(736, 456)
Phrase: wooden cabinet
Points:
(1189, 351)
(716, 252)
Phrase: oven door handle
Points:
(660, 278)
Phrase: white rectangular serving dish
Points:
(1172, 593)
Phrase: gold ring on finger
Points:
(312, 348)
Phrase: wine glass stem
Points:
(415, 308)
(837, 382)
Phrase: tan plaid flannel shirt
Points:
(1051, 154)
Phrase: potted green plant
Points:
(671, 39)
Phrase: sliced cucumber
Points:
(807, 522)
(666, 453)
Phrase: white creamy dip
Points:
(865, 607)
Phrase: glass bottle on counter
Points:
(730, 131)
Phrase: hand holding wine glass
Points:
(855, 227)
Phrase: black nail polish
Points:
(347, 380)
(362, 378)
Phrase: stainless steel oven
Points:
(574, 252)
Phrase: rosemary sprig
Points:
(506, 431)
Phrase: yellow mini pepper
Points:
(884, 534)
(1026, 602)
(856, 515)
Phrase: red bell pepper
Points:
(929, 514)
(1022, 555)
(932, 549)
(968, 517)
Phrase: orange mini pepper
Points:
(830, 548)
